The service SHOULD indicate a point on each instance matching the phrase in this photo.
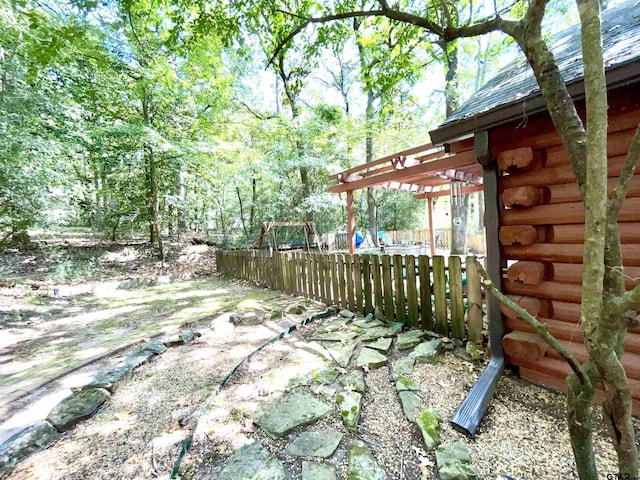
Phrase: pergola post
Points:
(432, 236)
(351, 223)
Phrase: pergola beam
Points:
(408, 175)
(445, 193)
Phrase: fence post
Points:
(335, 274)
(474, 300)
(455, 297)
(412, 292)
(388, 288)
(400, 299)
(330, 278)
(440, 294)
(426, 313)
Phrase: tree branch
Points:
(539, 328)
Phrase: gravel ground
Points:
(138, 434)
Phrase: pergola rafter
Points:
(426, 170)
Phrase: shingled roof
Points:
(514, 91)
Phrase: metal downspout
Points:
(470, 412)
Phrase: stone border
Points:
(83, 402)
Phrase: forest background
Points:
(154, 117)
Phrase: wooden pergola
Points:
(426, 170)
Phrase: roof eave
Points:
(617, 76)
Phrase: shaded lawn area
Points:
(49, 336)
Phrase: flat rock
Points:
(334, 336)
(404, 384)
(354, 380)
(321, 443)
(77, 407)
(453, 462)
(362, 463)
(325, 376)
(404, 366)
(109, 378)
(410, 404)
(371, 358)
(429, 424)
(409, 339)
(349, 405)
(382, 344)
(348, 314)
(155, 346)
(318, 471)
(368, 324)
(24, 443)
(341, 352)
(296, 309)
(427, 352)
(138, 358)
(250, 318)
(331, 326)
(253, 461)
(189, 336)
(280, 416)
(277, 312)
(377, 332)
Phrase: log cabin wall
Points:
(541, 237)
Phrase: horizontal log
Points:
(519, 235)
(564, 253)
(570, 312)
(564, 292)
(617, 144)
(517, 158)
(524, 345)
(569, 192)
(533, 306)
(526, 196)
(629, 233)
(563, 213)
(630, 361)
(571, 332)
(559, 384)
(572, 273)
(543, 177)
(528, 273)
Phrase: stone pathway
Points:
(340, 387)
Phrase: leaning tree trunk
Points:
(153, 203)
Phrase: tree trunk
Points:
(153, 203)
(180, 221)
(372, 208)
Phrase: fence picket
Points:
(474, 301)
(401, 314)
(351, 300)
(366, 280)
(342, 281)
(412, 292)
(440, 294)
(456, 301)
(377, 282)
(357, 279)
(426, 313)
(388, 288)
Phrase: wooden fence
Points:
(393, 283)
